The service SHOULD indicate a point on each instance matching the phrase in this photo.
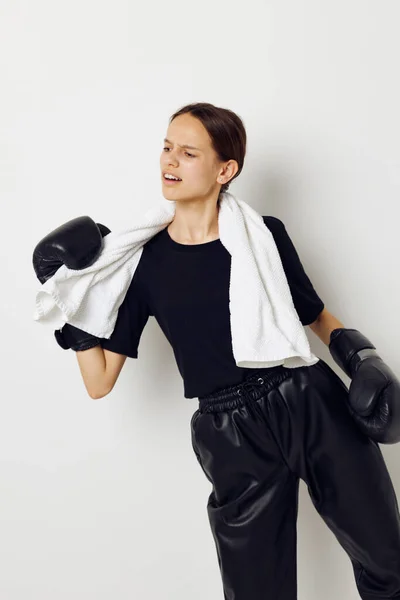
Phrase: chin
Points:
(170, 194)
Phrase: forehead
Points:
(188, 132)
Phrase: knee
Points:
(381, 581)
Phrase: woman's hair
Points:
(226, 130)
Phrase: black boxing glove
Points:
(374, 393)
(77, 244)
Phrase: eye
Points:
(188, 153)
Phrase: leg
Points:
(350, 486)
(253, 505)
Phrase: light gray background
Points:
(104, 500)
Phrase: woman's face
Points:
(197, 167)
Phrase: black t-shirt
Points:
(186, 288)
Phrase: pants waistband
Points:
(255, 386)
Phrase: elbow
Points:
(96, 395)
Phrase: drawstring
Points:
(229, 398)
(207, 405)
(250, 384)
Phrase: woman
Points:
(255, 432)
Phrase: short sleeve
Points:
(132, 316)
(306, 301)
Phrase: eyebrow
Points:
(184, 145)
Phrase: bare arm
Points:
(325, 323)
(100, 369)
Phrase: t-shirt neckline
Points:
(205, 247)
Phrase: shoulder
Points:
(281, 237)
(274, 224)
(270, 220)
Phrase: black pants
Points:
(254, 441)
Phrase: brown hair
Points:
(226, 130)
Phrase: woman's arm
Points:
(100, 369)
(324, 325)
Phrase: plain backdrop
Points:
(104, 500)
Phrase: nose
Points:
(171, 160)
(170, 156)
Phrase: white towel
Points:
(265, 328)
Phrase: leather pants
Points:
(254, 441)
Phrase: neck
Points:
(195, 222)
